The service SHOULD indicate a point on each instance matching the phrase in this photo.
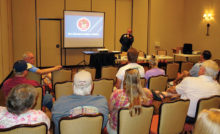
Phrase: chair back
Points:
(40, 128)
(109, 72)
(158, 82)
(143, 82)
(137, 124)
(103, 87)
(81, 124)
(63, 89)
(38, 105)
(161, 52)
(207, 103)
(91, 70)
(172, 70)
(186, 66)
(172, 116)
(34, 76)
(61, 76)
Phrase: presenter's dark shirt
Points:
(126, 42)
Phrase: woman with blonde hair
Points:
(208, 122)
(132, 96)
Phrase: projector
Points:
(102, 50)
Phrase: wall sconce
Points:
(208, 17)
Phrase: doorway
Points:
(50, 42)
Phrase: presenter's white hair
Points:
(82, 84)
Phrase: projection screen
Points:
(83, 29)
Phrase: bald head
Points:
(28, 57)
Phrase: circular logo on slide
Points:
(83, 24)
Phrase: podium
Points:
(99, 59)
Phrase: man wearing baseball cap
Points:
(80, 102)
(20, 73)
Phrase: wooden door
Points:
(50, 42)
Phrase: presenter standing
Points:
(126, 40)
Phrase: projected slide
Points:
(83, 29)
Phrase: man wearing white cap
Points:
(80, 102)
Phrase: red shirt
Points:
(12, 82)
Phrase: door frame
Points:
(61, 46)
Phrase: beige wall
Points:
(172, 23)
(6, 61)
(123, 20)
(140, 24)
(166, 24)
(195, 27)
(24, 27)
(117, 20)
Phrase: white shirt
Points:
(195, 88)
(121, 72)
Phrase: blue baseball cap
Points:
(20, 66)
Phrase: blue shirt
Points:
(195, 70)
(32, 68)
(63, 106)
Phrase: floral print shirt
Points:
(8, 119)
(118, 99)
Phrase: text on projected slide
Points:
(83, 27)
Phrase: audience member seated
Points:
(206, 55)
(154, 71)
(18, 108)
(194, 88)
(20, 70)
(132, 96)
(132, 55)
(81, 102)
(208, 122)
(29, 58)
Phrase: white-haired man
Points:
(80, 100)
(29, 58)
(195, 88)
